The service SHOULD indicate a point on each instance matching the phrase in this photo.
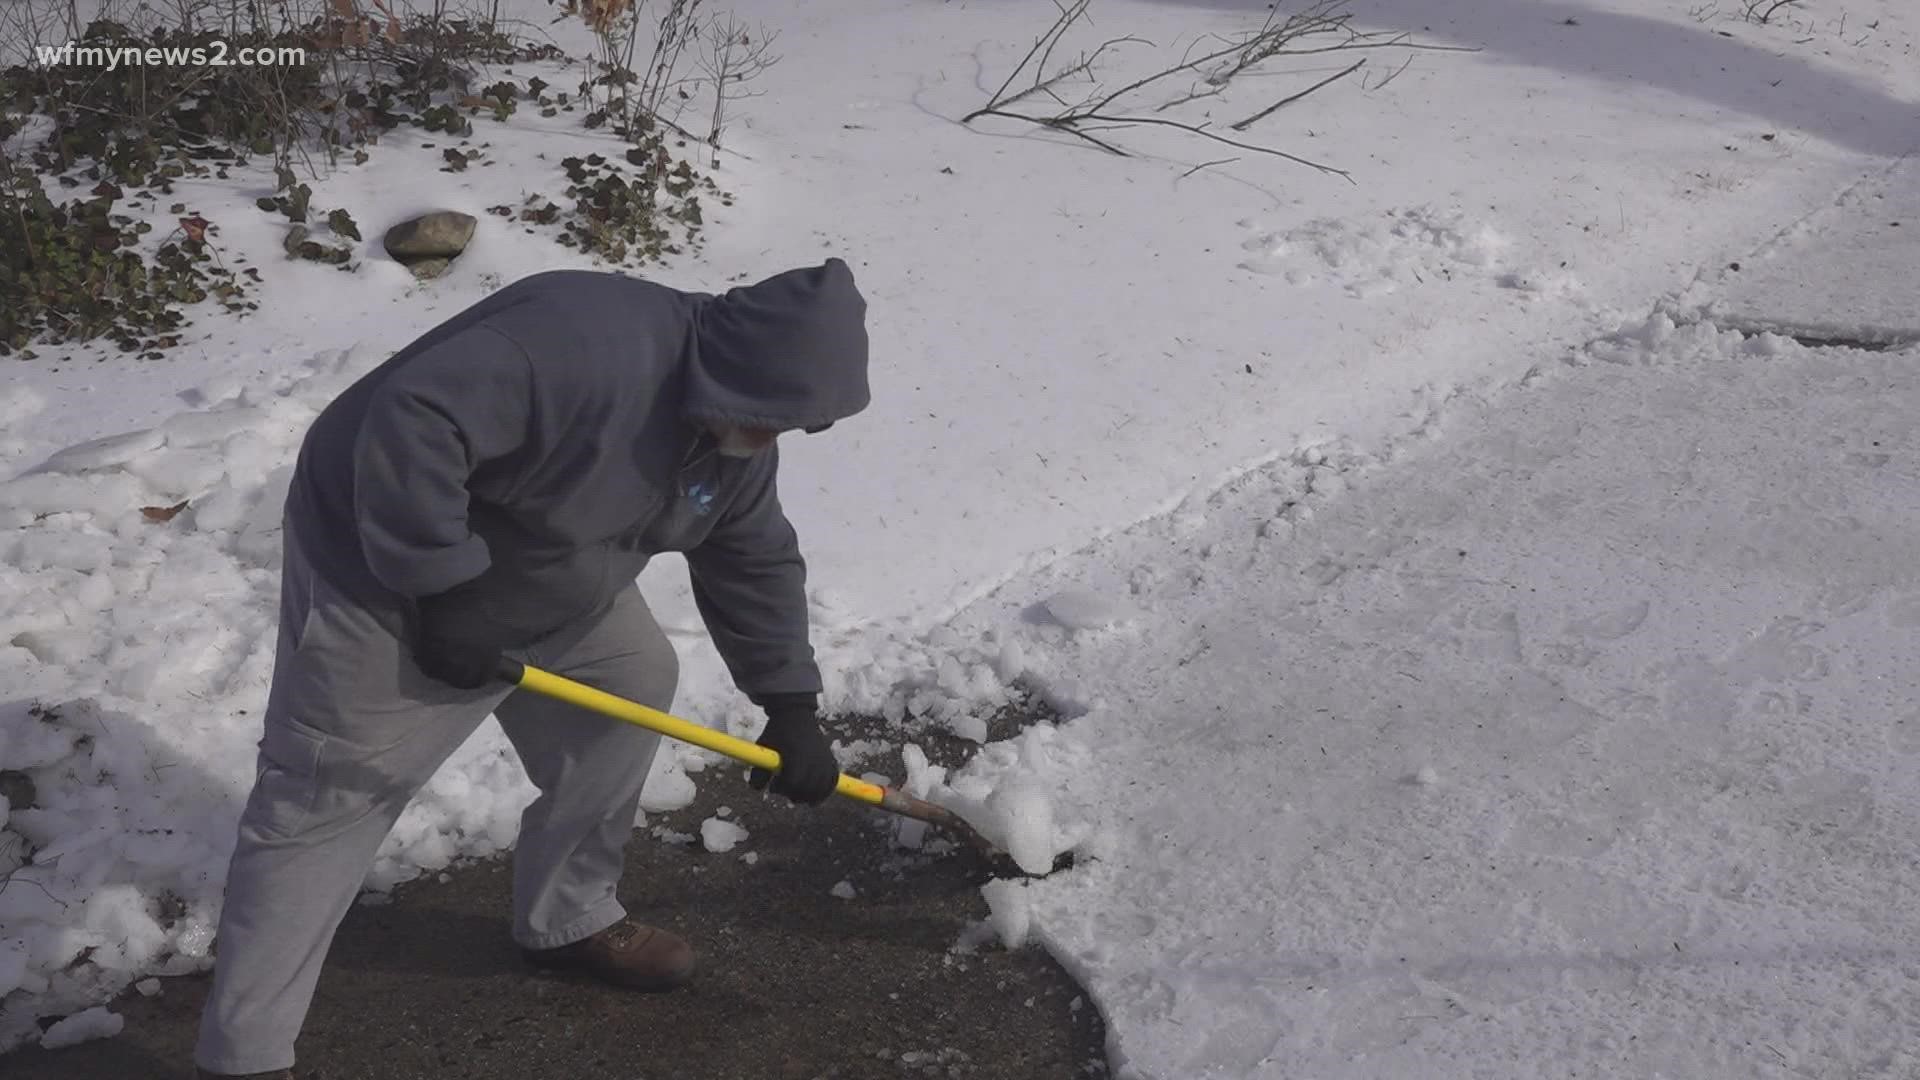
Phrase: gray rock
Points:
(442, 234)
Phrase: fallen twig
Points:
(1755, 14)
(1396, 74)
(1207, 165)
(1291, 98)
(1098, 112)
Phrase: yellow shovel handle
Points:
(528, 677)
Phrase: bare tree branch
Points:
(1083, 67)
(1755, 12)
(1042, 82)
(1068, 16)
(1207, 165)
(1396, 74)
(1077, 125)
(1188, 65)
(734, 57)
(1193, 96)
(1068, 126)
(1204, 133)
(1100, 112)
(1291, 98)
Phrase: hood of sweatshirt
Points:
(784, 353)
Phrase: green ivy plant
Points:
(296, 204)
(621, 214)
(80, 266)
(69, 271)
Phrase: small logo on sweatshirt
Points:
(701, 494)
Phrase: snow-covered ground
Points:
(1471, 673)
(1578, 740)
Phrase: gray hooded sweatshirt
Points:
(545, 443)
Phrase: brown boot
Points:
(625, 954)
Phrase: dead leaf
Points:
(352, 28)
(393, 23)
(599, 15)
(195, 228)
(163, 513)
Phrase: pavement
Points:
(1843, 275)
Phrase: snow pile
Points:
(935, 676)
(952, 676)
(1414, 246)
(668, 787)
(1009, 912)
(1018, 816)
(95, 1023)
(138, 598)
(1008, 792)
(113, 869)
(1661, 339)
(1084, 609)
(719, 835)
(139, 593)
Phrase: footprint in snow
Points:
(1611, 625)
(1412, 247)
(1084, 609)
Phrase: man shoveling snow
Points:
(495, 489)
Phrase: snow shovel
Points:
(892, 800)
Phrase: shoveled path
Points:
(796, 983)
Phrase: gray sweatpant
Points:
(353, 728)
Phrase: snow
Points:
(14, 959)
(1078, 609)
(1009, 911)
(1828, 277)
(1402, 249)
(844, 890)
(1481, 640)
(720, 836)
(1020, 820)
(1644, 614)
(668, 786)
(95, 1023)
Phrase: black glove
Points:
(808, 771)
(454, 641)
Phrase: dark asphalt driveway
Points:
(796, 983)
